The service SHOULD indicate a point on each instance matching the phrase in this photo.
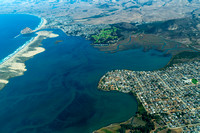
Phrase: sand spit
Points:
(36, 50)
(3, 81)
(15, 65)
(47, 34)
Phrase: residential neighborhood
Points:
(173, 93)
(74, 29)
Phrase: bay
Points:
(58, 93)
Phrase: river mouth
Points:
(59, 91)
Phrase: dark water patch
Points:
(73, 116)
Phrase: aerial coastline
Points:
(33, 39)
(14, 64)
(167, 98)
(41, 25)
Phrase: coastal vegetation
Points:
(182, 57)
(194, 81)
(141, 114)
(140, 109)
(106, 36)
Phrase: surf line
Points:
(17, 36)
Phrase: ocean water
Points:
(58, 93)
(10, 27)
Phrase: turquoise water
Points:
(58, 93)
(10, 27)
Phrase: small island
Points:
(27, 30)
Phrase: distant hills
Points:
(98, 1)
(105, 11)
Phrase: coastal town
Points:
(87, 18)
(74, 29)
(172, 93)
(112, 26)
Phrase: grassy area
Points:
(105, 36)
(160, 129)
(106, 131)
(109, 129)
(194, 81)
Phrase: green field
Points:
(194, 81)
(105, 35)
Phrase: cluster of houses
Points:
(66, 24)
(171, 93)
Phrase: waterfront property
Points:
(61, 83)
(173, 93)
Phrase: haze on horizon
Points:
(108, 11)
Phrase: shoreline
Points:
(39, 27)
(16, 51)
(14, 64)
(183, 57)
(112, 127)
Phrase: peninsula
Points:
(172, 94)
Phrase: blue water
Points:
(10, 27)
(58, 93)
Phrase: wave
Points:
(16, 51)
(40, 24)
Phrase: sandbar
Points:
(47, 34)
(3, 81)
(36, 50)
(15, 65)
(12, 62)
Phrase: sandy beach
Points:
(47, 34)
(14, 65)
(44, 22)
(3, 81)
(36, 50)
